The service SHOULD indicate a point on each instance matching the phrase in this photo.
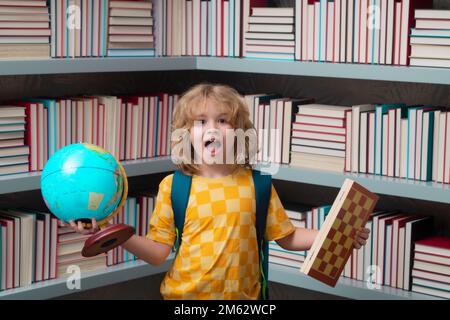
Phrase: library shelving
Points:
(414, 189)
(296, 68)
(347, 288)
(32, 181)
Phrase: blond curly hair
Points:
(230, 102)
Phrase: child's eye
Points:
(222, 121)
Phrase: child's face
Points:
(208, 133)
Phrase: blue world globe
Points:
(83, 181)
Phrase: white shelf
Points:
(420, 190)
(295, 68)
(89, 280)
(431, 191)
(345, 287)
(32, 181)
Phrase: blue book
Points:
(411, 142)
(380, 110)
(426, 169)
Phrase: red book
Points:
(437, 245)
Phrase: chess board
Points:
(334, 243)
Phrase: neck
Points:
(215, 170)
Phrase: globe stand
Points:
(106, 239)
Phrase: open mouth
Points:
(212, 143)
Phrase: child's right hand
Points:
(80, 228)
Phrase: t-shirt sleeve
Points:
(162, 223)
(278, 224)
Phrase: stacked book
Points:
(319, 137)
(24, 29)
(70, 244)
(285, 257)
(79, 28)
(131, 29)
(431, 269)
(272, 117)
(13, 149)
(430, 39)
(27, 247)
(361, 31)
(136, 212)
(270, 34)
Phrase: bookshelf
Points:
(31, 181)
(347, 288)
(413, 189)
(90, 280)
(295, 68)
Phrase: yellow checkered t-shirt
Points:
(218, 256)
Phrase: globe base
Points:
(107, 239)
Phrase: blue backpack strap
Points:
(263, 188)
(179, 195)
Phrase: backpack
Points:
(263, 186)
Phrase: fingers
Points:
(94, 225)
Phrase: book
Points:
(333, 245)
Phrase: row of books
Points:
(270, 34)
(24, 29)
(359, 31)
(13, 148)
(36, 246)
(198, 27)
(390, 257)
(430, 39)
(131, 29)
(129, 127)
(431, 267)
(394, 140)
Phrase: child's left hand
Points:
(361, 238)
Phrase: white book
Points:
(310, 42)
(383, 31)
(279, 28)
(196, 13)
(330, 32)
(226, 34)
(401, 257)
(430, 62)
(404, 148)
(237, 28)
(436, 150)
(298, 28)
(391, 142)
(432, 24)
(370, 31)
(273, 12)
(343, 37)
(418, 144)
(269, 49)
(377, 31)
(447, 148)
(213, 27)
(274, 20)
(321, 151)
(388, 256)
(404, 32)
(317, 30)
(304, 30)
(411, 159)
(390, 31)
(337, 30)
(323, 15)
(269, 36)
(384, 146)
(358, 29)
(397, 34)
(204, 28)
(371, 145)
(430, 41)
(350, 22)
(363, 136)
(356, 143)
